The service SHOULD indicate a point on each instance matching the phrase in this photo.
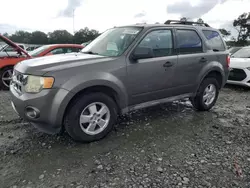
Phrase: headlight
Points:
(248, 68)
(34, 84)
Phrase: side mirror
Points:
(142, 53)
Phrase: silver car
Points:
(124, 69)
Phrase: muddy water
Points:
(165, 146)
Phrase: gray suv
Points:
(124, 69)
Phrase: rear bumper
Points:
(238, 83)
(44, 110)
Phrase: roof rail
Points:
(186, 23)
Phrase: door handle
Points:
(168, 64)
(203, 60)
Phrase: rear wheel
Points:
(207, 95)
(6, 76)
(90, 117)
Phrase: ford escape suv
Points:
(124, 69)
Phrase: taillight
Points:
(228, 60)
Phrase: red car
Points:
(7, 63)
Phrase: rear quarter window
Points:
(214, 40)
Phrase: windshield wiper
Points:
(90, 52)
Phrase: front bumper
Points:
(49, 106)
(239, 76)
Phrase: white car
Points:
(7, 50)
(240, 67)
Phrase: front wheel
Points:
(207, 95)
(90, 117)
(6, 76)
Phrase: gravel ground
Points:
(164, 146)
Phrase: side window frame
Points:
(189, 29)
(151, 30)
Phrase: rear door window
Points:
(188, 41)
(214, 40)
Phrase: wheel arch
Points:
(215, 70)
(7, 66)
(108, 90)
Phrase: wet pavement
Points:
(164, 146)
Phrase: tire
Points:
(198, 101)
(4, 84)
(77, 130)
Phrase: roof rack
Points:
(186, 23)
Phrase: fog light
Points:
(32, 112)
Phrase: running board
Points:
(155, 102)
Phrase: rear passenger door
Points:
(191, 59)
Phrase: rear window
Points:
(214, 40)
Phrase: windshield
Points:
(234, 49)
(242, 53)
(37, 51)
(113, 42)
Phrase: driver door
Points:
(151, 78)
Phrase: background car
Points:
(240, 67)
(8, 50)
(232, 50)
(7, 63)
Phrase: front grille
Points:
(237, 75)
(18, 81)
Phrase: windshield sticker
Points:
(130, 31)
(111, 46)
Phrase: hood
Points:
(240, 62)
(42, 65)
(12, 44)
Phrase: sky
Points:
(49, 15)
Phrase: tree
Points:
(85, 35)
(6, 35)
(38, 37)
(55, 37)
(233, 39)
(21, 37)
(60, 36)
(200, 21)
(183, 19)
(225, 33)
(242, 25)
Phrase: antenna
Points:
(73, 21)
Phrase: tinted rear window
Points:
(214, 40)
